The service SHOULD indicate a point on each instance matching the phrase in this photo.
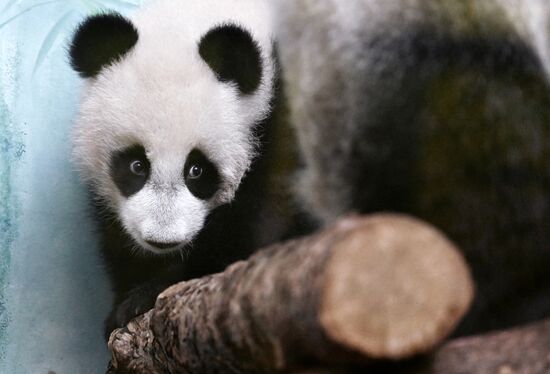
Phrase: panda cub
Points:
(175, 109)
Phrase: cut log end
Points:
(394, 288)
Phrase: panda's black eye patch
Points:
(201, 175)
(130, 169)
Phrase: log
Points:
(519, 350)
(365, 289)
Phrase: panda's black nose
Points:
(163, 245)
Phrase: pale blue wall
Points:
(53, 294)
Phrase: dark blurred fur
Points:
(439, 109)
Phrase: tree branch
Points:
(365, 289)
(520, 350)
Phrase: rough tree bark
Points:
(523, 350)
(380, 287)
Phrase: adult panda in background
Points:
(178, 103)
(440, 109)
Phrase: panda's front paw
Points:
(136, 302)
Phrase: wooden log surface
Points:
(521, 350)
(524, 350)
(384, 287)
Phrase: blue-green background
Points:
(53, 291)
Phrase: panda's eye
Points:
(130, 169)
(201, 175)
(195, 171)
(138, 168)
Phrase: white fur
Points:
(164, 96)
(168, 214)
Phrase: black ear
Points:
(233, 55)
(99, 41)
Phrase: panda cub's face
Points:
(165, 127)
